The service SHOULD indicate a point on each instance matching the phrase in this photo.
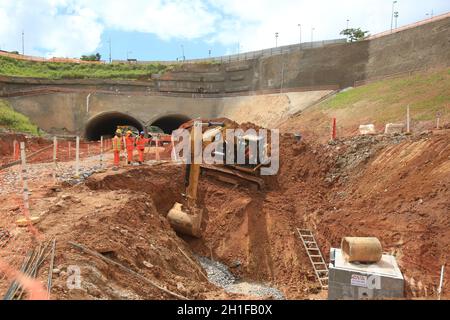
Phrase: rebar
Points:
(30, 268)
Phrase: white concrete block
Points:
(394, 128)
(367, 129)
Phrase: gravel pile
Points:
(219, 275)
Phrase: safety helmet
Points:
(142, 133)
(129, 132)
(118, 131)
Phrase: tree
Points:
(354, 34)
(92, 57)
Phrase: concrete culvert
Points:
(105, 124)
(170, 123)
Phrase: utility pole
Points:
(396, 18)
(209, 53)
(348, 20)
(23, 42)
(182, 53)
(276, 39)
(392, 15)
(312, 36)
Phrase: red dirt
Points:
(395, 188)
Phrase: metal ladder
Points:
(315, 256)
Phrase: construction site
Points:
(357, 206)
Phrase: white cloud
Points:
(167, 19)
(74, 27)
(52, 27)
(254, 22)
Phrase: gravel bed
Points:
(219, 275)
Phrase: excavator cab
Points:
(251, 146)
(186, 219)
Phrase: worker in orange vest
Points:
(129, 141)
(117, 147)
(141, 141)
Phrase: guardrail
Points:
(396, 75)
(249, 55)
(409, 26)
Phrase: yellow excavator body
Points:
(187, 219)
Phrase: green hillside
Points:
(427, 94)
(53, 70)
(15, 121)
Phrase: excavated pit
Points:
(240, 225)
(394, 188)
(253, 233)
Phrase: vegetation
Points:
(54, 70)
(423, 91)
(385, 101)
(15, 121)
(92, 57)
(354, 34)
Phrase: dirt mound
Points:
(401, 196)
(126, 227)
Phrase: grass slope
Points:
(52, 70)
(380, 103)
(15, 121)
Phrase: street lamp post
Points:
(348, 20)
(392, 15)
(396, 17)
(209, 53)
(300, 38)
(23, 42)
(276, 39)
(312, 36)
(182, 53)
(110, 50)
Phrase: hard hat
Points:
(118, 131)
(142, 133)
(129, 132)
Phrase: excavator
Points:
(187, 218)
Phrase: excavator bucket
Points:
(186, 223)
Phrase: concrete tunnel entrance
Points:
(169, 123)
(105, 124)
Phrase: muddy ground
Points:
(393, 187)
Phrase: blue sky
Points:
(156, 29)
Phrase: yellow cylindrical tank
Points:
(359, 249)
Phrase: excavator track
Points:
(231, 176)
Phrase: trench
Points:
(165, 188)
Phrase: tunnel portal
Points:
(169, 123)
(106, 124)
